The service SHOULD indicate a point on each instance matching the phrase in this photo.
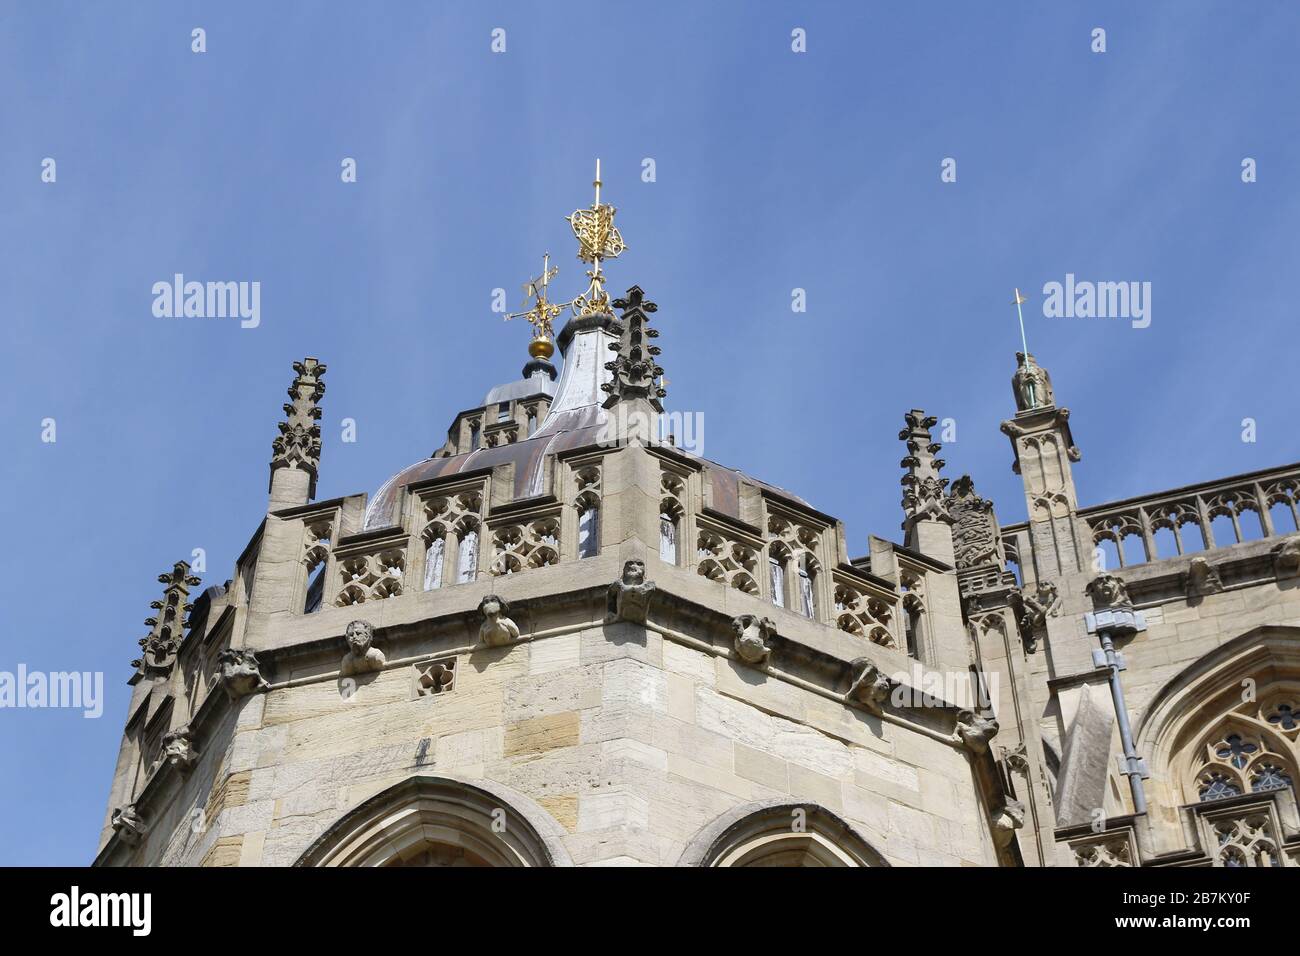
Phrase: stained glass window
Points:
(1269, 776)
(1236, 751)
(1284, 716)
(1216, 786)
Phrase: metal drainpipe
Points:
(1107, 624)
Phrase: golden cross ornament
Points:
(598, 239)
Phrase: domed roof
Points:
(576, 420)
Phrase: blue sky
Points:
(775, 170)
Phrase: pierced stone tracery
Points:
(671, 511)
(450, 538)
(727, 561)
(1252, 752)
(317, 536)
(587, 504)
(793, 565)
(535, 544)
(371, 577)
(1273, 499)
(866, 616)
(1255, 749)
(1103, 853)
(1247, 840)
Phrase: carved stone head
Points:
(360, 635)
(240, 672)
(976, 730)
(129, 824)
(178, 748)
(1287, 556)
(492, 607)
(1009, 819)
(751, 637)
(634, 572)
(870, 686)
(496, 628)
(1108, 591)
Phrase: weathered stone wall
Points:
(631, 741)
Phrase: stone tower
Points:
(560, 640)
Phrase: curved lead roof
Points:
(575, 420)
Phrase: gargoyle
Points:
(870, 686)
(129, 824)
(497, 628)
(1007, 821)
(976, 731)
(1202, 578)
(178, 748)
(629, 599)
(1286, 558)
(1108, 591)
(239, 672)
(362, 656)
(752, 637)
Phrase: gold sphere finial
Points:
(541, 348)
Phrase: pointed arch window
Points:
(589, 530)
(467, 556)
(315, 588)
(776, 572)
(667, 538)
(807, 590)
(912, 627)
(433, 561)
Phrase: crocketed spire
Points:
(636, 374)
(297, 448)
(167, 626)
(923, 488)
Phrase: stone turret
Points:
(1044, 448)
(295, 456)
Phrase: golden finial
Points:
(597, 240)
(542, 312)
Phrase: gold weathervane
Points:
(542, 312)
(597, 240)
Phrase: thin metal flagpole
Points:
(1024, 344)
